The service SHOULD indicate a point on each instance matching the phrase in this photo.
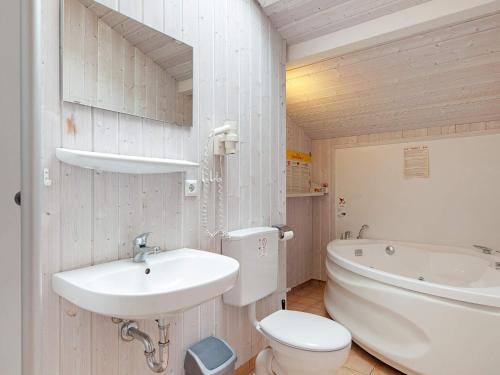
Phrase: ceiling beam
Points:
(418, 19)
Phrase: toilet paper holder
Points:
(285, 232)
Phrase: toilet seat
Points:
(305, 331)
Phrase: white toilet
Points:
(301, 343)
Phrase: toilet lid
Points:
(305, 331)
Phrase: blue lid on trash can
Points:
(212, 352)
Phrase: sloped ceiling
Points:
(444, 77)
(300, 20)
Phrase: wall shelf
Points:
(123, 163)
(300, 195)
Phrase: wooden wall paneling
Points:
(91, 50)
(76, 238)
(140, 94)
(237, 330)
(151, 88)
(51, 214)
(130, 186)
(265, 122)
(191, 140)
(105, 199)
(129, 78)
(132, 222)
(154, 14)
(105, 346)
(220, 104)
(76, 340)
(174, 18)
(133, 204)
(233, 109)
(176, 350)
(255, 140)
(255, 116)
(324, 212)
(189, 30)
(152, 184)
(117, 70)
(323, 207)
(131, 8)
(74, 42)
(207, 112)
(113, 4)
(105, 65)
(299, 267)
(244, 119)
(173, 190)
(280, 208)
(161, 99)
(207, 86)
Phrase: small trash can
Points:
(210, 356)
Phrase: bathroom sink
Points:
(167, 282)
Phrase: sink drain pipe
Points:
(131, 331)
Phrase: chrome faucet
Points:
(346, 235)
(141, 248)
(362, 231)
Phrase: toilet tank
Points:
(256, 249)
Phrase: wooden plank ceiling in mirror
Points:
(113, 62)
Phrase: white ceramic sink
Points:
(167, 282)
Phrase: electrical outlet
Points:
(191, 188)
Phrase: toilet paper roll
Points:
(287, 235)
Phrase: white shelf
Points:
(300, 195)
(122, 163)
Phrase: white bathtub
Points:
(426, 309)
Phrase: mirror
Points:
(114, 62)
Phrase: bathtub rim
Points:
(479, 296)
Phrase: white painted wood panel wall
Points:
(324, 170)
(90, 217)
(299, 259)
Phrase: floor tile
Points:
(383, 369)
(359, 362)
(347, 371)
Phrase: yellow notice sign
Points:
(416, 161)
(298, 172)
(297, 155)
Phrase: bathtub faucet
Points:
(362, 231)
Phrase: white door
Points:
(10, 182)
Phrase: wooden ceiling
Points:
(300, 20)
(444, 77)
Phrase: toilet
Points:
(300, 343)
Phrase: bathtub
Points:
(423, 309)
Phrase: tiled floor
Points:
(309, 298)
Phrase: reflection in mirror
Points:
(113, 62)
